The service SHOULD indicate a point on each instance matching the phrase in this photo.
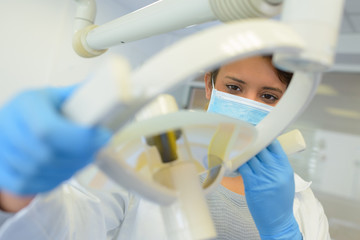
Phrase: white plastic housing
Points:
(318, 24)
(159, 17)
(189, 216)
(163, 104)
(85, 14)
(292, 142)
(211, 48)
(162, 17)
(106, 89)
(231, 10)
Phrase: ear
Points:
(208, 85)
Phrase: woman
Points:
(277, 206)
(267, 180)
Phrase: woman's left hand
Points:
(269, 190)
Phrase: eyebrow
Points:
(273, 89)
(265, 88)
(236, 79)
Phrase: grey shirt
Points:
(4, 216)
(231, 215)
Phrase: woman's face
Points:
(254, 78)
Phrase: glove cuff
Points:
(290, 233)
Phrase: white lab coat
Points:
(73, 212)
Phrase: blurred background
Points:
(36, 51)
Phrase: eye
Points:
(233, 87)
(269, 98)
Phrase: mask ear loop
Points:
(212, 80)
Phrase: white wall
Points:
(331, 161)
(30, 32)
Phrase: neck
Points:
(234, 184)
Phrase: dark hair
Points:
(284, 76)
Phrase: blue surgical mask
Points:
(238, 107)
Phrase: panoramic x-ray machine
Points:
(153, 151)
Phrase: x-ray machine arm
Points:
(303, 41)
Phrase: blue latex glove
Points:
(269, 191)
(39, 148)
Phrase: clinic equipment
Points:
(303, 41)
(160, 17)
(308, 18)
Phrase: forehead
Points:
(256, 70)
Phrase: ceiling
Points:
(351, 20)
(348, 52)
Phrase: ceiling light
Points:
(346, 113)
(326, 90)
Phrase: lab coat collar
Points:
(300, 184)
